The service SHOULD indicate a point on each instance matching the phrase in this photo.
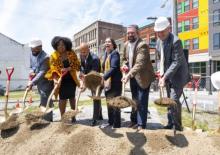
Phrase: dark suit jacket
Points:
(142, 69)
(114, 72)
(92, 64)
(175, 65)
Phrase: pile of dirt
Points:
(92, 80)
(58, 138)
(122, 102)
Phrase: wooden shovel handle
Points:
(25, 96)
(77, 100)
(123, 84)
(161, 92)
(54, 89)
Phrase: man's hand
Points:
(82, 87)
(30, 85)
(81, 76)
(162, 82)
(126, 78)
(124, 69)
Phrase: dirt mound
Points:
(58, 138)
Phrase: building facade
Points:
(193, 23)
(96, 33)
(17, 55)
(214, 34)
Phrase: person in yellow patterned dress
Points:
(64, 59)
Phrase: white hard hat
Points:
(215, 78)
(161, 24)
(35, 43)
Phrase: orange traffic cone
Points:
(30, 100)
(17, 104)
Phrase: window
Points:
(196, 43)
(179, 27)
(179, 8)
(216, 17)
(216, 41)
(187, 44)
(186, 25)
(195, 4)
(186, 5)
(152, 42)
(216, 1)
(195, 23)
(198, 68)
(218, 66)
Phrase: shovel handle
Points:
(123, 84)
(24, 97)
(9, 71)
(54, 89)
(161, 92)
(77, 100)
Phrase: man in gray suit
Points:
(173, 68)
(39, 65)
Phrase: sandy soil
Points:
(55, 138)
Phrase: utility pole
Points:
(175, 21)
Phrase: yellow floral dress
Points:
(56, 65)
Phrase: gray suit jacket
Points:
(175, 66)
(40, 65)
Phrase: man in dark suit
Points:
(137, 57)
(90, 62)
(173, 68)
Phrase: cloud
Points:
(23, 20)
(9, 6)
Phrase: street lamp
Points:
(151, 18)
(210, 73)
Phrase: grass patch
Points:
(18, 95)
(187, 117)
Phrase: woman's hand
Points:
(63, 70)
(55, 81)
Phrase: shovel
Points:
(26, 92)
(164, 101)
(36, 115)
(196, 82)
(93, 81)
(9, 71)
(122, 101)
(10, 121)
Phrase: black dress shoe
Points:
(179, 128)
(168, 127)
(94, 122)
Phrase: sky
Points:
(23, 20)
